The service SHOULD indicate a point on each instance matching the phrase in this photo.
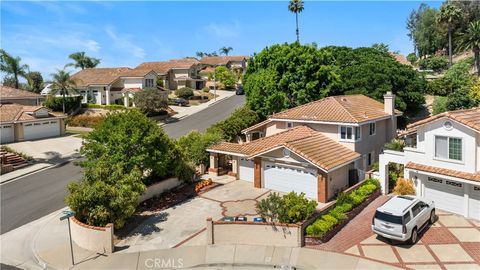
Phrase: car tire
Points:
(432, 217)
(414, 237)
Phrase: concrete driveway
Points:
(50, 149)
(453, 242)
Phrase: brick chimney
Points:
(389, 108)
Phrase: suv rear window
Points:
(388, 218)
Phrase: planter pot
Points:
(98, 239)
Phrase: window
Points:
(448, 148)
(372, 128)
(406, 218)
(388, 217)
(370, 158)
(347, 133)
(149, 83)
(289, 124)
(416, 209)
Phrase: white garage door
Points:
(6, 134)
(285, 178)
(41, 129)
(447, 195)
(474, 202)
(246, 169)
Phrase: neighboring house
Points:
(47, 89)
(231, 62)
(401, 59)
(20, 123)
(106, 86)
(319, 148)
(13, 95)
(177, 73)
(442, 157)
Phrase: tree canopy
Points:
(150, 101)
(81, 60)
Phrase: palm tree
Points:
(449, 15)
(225, 50)
(12, 66)
(200, 54)
(64, 84)
(470, 40)
(296, 6)
(82, 61)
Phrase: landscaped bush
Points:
(184, 92)
(194, 145)
(290, 208)
(84, 121)
(404, 187)
(395, 144)
(231, 127)
(56, 104)
(206, 90)
(439, 105)
(106, 107)
(435, 63)
(202, 184)
(345, 203)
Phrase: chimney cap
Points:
(388, 94)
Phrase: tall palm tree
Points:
(64, 84)
(82, 61)
(200, 54)
(225, 50)
(449, 15)
(12, 66)
(470, 40)
(296, 6)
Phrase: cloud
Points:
(123, 41)
(228, 30)
(70, 41)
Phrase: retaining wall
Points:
(159, 188)
(99, 239)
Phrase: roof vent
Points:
(344, 99)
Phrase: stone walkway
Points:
(453, 242)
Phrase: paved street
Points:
(204, 119)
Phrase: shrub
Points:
(271, 207)
(225, 77)
(404, 187)
(202, 184)
(231, 127)
(55, 103)
(435, 63)
(194, 145)
(412, 58)
(150, 101)
(111, 107)
(84, 121)
(338, 213)
(184, 170)
(345, 207)
(395, 144)
(343, 198)
(438, 87)
(439, 105)
(206, 90)
(290, 208)
(357, 198)
(184, 92)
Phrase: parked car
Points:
(240, 90)
(178, 102)
(403, 217)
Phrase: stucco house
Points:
(319, 148)
(13, 95)
(177, 73)
(22, 122)
(231, 62)
(442, 157)
(106, 86)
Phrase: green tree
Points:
(225, 50)
(427, 34)
(295, 74)
(458, 76)
(184, 92)
(449, 15)
(63, 84)
(439, 105)
(231, 127)
(131, 139)
(412, 58)
(150, 101)
(289, 208)
(194, 146)
(35, 81)
(225, 76)
(296, 6)
(13, 67)
(381, 47)
(460, 99)
(470, 40)
(81, 60)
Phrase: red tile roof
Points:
(162, 67)
(453, 173)
(221, 60)
(98, 76)
(10, 92)
(16, 112)
(468, 117)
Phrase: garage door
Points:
(6, 134)
(246, 170)
(41, 129)
(474, 202)
(285, 178)
(447, 195)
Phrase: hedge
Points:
(106, 107)
(345, 203)
(84, 121)
(184, 92)
(56, 103)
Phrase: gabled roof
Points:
(7, 92)
(98, 76)
(468, 117)
(453, 173)
(401, 59)
(163, 67)
(16, 112)
(137, 72)
(221, 60)
(312, 146)
(341, 109)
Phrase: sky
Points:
(121, 33)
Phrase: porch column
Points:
(213, 170)
(383, 171)
(125, 99)
(322, 185)
(257, 174)
(107, 95)
(235, 167)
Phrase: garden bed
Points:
(325, 227)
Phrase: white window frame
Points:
(147, 84)
(374, 125)
(353, 132)
(448, 149)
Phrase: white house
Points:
(442, 157)
(319, 148)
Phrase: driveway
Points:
(453, 242)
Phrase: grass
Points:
(78, 133)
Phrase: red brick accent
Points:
(438, 235)
(213, 170)
(89, 226)
(257, 174)
(256, 223)
(322, 185)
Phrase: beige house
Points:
(13, 95)
(231, 62)
(319, 148)
(20, 122)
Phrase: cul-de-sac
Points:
(240, 135)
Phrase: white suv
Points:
(402, 217)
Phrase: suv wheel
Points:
(413, 238)
(432, 217)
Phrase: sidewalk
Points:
(24, 171)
